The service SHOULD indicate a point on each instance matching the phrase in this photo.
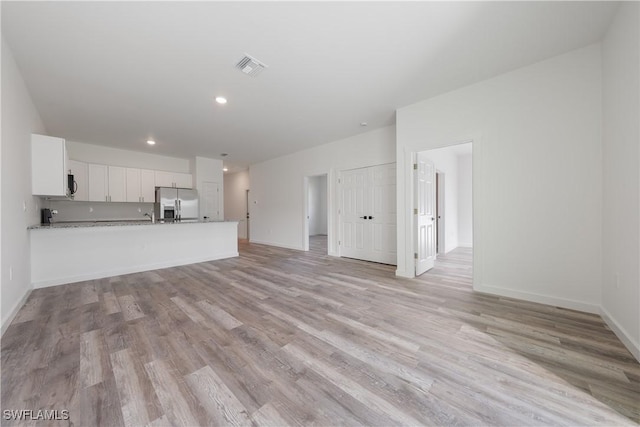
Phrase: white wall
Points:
(277, 202)
(235, 200)
(621, 186)
(318, 205)
(537, 174)
(208, 170)
(91, 153)
(465, 205)
(19, 208)
(74, 210)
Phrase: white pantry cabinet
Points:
(80, 172)
(140, 185)
(48, 166)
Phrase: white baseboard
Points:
(12, 314)
(128, 270)
(277, 245)
(542, 299)
(465, 245)
(405, 274)
(632, 345)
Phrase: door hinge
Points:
(339, 181)
(415, 255)
(415, 166)
(339, 211)
(415, 211)
(339, 242)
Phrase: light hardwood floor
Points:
(281, 337)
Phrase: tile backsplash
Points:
(70, 210)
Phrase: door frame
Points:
(406, 202)
(305, 210)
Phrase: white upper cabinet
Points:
(164, 179)
(80, 172)
(140, 185)
(98, 183)
(183, 180)
(48, 166)
(107, 183)
(174, 179)
(133, 185)
(147, 185)
(117, 184)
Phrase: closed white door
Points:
(355, 203)
(210, 200)
(383, 218)
(425, 200)
(368, 214)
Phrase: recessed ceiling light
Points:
(363, 124)
(225, 169)
(221, 100)
(151, 142)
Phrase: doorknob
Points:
(363, 217)
(370, 217)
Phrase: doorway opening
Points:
(316, 217)
(443, 203)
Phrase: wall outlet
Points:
(90, 209)
(10, 273)
(24, 206)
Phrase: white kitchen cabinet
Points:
(107, 183)
(174, 179)
(133, 185)
(117, 189)
(183, 180)
(164, 179)
(80, 172)
(147, 185)
(98, 183)
(140, 185)
(48, 166)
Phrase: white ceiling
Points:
(118, 73)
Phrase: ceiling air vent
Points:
(250, 66)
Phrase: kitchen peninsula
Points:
(73, 252)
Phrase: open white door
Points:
(425, 199)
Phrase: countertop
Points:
(117, 223)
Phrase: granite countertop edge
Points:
(122, 223)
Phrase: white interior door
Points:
(382, 216)
(355, 200)
(368, 218)
(425, 200)
(210, 202)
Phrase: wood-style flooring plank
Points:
(283, 337)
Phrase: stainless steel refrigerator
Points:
(176, 204)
